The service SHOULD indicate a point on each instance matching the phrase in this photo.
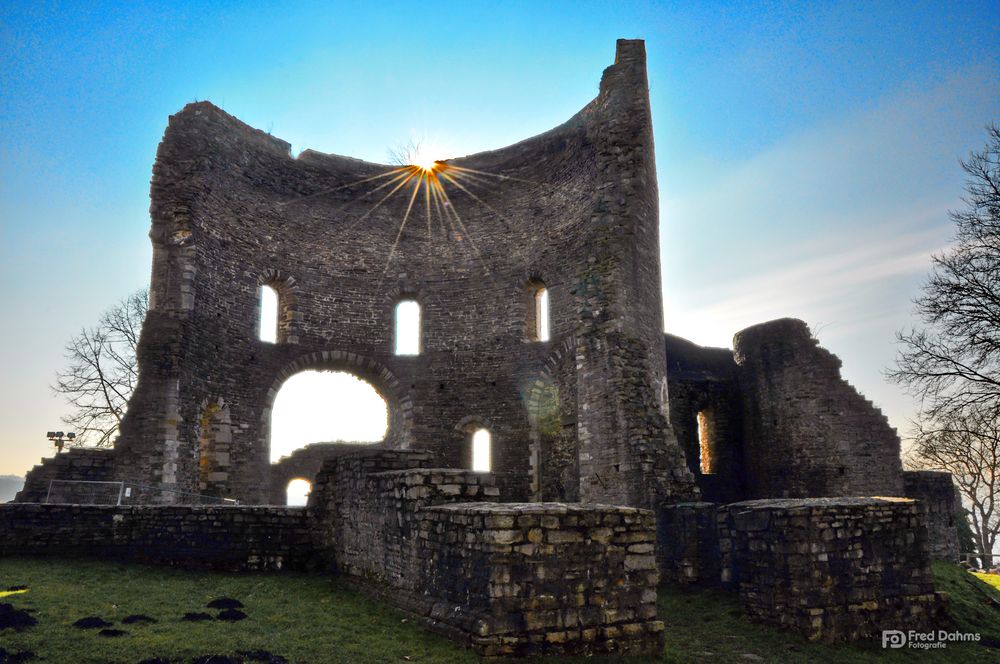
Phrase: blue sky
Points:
(807, 153)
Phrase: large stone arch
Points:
(399, 433)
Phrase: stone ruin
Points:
(619, 456)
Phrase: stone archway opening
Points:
(316, 406)
(297, 492)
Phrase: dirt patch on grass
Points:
(112, 633)
(196, 617)
(15, 657)
(91, 622)
(225, 603)
(232, 615)
(16, 619)
(137, 618)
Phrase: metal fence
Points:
(89, 492)
(980, 561)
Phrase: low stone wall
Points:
(834, 568)
(543, 578)
(504, 578)
(687, 543)
(219, 537)
(941, 503)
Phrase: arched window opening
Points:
(705, 443)
(297, 493)
(325, 406)
(408, 328)
(537, 310)
(542, 313)
(268, 314)
(481, 451)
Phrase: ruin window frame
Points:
(265, 305)
(538, 309)
(414, 346)
(706, 442)
(288, 495)
(477, 454)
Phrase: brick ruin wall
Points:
(218, 537)
(305, 463)
(77, 464)
(548, 578)
(830, 568)
(833, 569)
(505, 578)
(808, 431)
(940, 500)
(232, 211)
(706, 404)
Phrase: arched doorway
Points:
(325, 407)
(297, 492)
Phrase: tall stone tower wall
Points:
(574, 209)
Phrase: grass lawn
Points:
(310, 618)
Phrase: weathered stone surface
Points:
(220, 537)
(581, 416)
(941, 503)
(834, 568)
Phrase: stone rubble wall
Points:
(808, 432)
(505, 578)
(939, 497)
(305, 463)
(77, 463)
(373, 516)
(833, 569)
(687, 543)
(543, 578)
(218, 537)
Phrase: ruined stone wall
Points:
(305, 463)
(506, 578)
(687, 544)
(232, 538)
(938, 497)
(574, 208)
(75, 464)
(545, 578)
(369, 505)
(807, 431)
(834, 569)
(703, 382)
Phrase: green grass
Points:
(310, 618)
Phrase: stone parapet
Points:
(834, 568)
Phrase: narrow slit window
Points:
(408, 328)
(268, 314)
(481, 451)
(705, 443)
(542, 314)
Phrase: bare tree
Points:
(968, 446)
(405, 154)
(953, 364)
(102, 370)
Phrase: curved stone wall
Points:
(574, 209)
